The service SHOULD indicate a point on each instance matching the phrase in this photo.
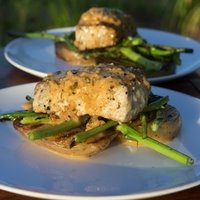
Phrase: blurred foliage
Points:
(34, 15)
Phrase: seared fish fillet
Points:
(112, 92)
(102, 27)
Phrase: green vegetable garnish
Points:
(83, 136)
(132, 134)
(57, 129)
(134, 49)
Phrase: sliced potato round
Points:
(168, 130)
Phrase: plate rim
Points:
(144, 195)
(159, 79)
(155, 193)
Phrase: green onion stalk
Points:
(57, 129)
(132, 134)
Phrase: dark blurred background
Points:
(179, 16)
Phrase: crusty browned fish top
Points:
(102, 27)
(109, 91)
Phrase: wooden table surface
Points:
(10, 76)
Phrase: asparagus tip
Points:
(188, 50)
